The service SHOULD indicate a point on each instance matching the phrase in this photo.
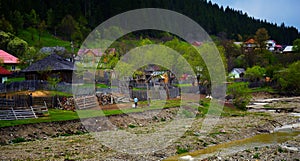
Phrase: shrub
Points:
(131, 126)
(289, 78)
(181, 150)
(256, 156)
(255, 73)
(241, 94)
(18, 140)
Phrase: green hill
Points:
(31, 36)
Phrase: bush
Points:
(241, 94)
(18, 140)
(17, 46)
(256, 156)
(289, 79)
(255, 73)
(181, 150)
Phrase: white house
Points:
(288, 49)
(271, 45)
(237, 73)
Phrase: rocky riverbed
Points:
(68, 140)
(289, 150)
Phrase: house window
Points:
(13, 68)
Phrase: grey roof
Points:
(52, 62)
(238, 70)
(52, 49)
(288, 49)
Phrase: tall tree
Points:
(17, 21)
(50, 18)
(296, 45)
(261, 36)
(42, 26)
(5, 25)
(68, 26)
(31, 19)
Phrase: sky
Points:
(274, 11)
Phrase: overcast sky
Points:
(275, 11)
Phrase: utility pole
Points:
(72, 49)
(147, 83)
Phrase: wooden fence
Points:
(154, 94)
(32, 85)
(86, 102)
(9, 110)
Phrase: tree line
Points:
(74, 19)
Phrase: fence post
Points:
(33, 112)
(12, 109)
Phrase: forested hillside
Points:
(74, 19)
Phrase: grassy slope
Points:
(31, 36)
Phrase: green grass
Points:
(31, 36)
(99, 85)
(256, 156)
(183, 85)
(139, 89)
(63, 115)
(18, 140)
(181, 150)
(232, 111)
(15, 79)
(54, 115)
(225, 112)
(59, 93)
(263, 89)
(217, 133)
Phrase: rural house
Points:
(288, 49)
(4, 74)
(237, 73)
(250, 44)
(9, 61)
(271, 45)
(89, 55)
(51, 66)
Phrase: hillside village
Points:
(58, 94)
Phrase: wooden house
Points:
(52, 66)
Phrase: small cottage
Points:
(9, 61)
(237, 73)
(4, 74)
(52, 66)
(250, 44)
(288, 49)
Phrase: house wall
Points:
(3, 79)
(234, 74)
(12, 67)
(65, 76)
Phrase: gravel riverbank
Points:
(68, 140)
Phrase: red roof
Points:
(8, 58)
(197, 43)
(3, 71)
(250, 41)
(96, 52)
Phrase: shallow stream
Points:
(238, 145)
